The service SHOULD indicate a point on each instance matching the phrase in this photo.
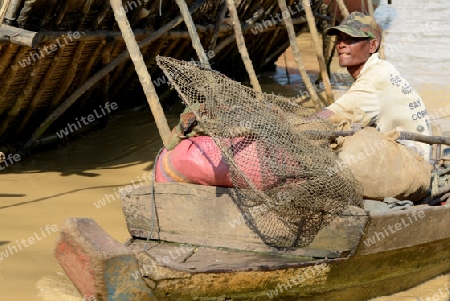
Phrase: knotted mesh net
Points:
(280, 162)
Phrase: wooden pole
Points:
(141, 70)
(215, 34)
(193, 33)
(403, 136)
(319, 50)
(240, 41)
(298, 58)
(18, 36)
(370, 5)
(3, 10)
(99, 75)
(343, 8)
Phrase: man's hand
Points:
(324, 114)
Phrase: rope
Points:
(153, 216)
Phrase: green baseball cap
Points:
(357, 25)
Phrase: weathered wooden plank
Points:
(207, 215)
(402, 229)
(96, 263)
(18, 36)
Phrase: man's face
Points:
(353, 51)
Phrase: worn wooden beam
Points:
(319, 50)
(11, 10)
(402, 136)
(224, 31)
(125, 76)
(343, 8)
(240, 41)
(4, 9)
(96, 263)
(217, 26)
(187, 213)
(25, 12)
(298, 58)
(141, 70)
(370, 5)
(193, 33)
(18, 36)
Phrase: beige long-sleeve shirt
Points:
(383, 94)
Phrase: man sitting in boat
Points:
(379, 89)
(385, 168)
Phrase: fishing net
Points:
(280, 163)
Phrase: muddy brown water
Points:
(38, 193)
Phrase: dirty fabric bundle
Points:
(285, 189)
(395, 169)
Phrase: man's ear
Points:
(374, 45)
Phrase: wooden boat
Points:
(62, 61)
(201, 249)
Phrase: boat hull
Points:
(398, 250)
(128, 272)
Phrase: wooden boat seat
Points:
(207, 216)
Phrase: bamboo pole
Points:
(403, 136)
(298, 58)
(370, 5)
(240, 41)
(215, 34)
(141, 70)
(25, 12)
(343, 8)
(99, 75)
(3, 10)
(11, 10)
(11, 34)
(319, 50)
(193, 33)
